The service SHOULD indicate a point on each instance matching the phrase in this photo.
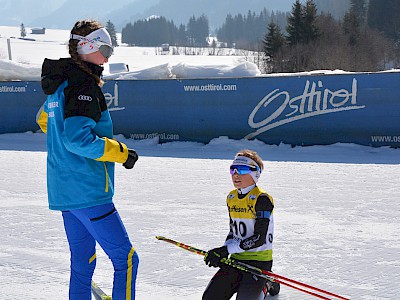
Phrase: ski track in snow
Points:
(337, 225)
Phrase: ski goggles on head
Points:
(105, 49)
(241, 170)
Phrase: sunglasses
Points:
(241, 170)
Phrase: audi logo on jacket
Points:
(85, 98)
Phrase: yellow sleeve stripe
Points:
(114, 151)
(42, 120)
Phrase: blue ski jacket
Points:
(81, 151)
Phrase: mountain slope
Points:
(72, 10)
(62, 14)
(15, 12)
(181, 10)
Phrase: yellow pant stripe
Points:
(129, 276)
(92, 258)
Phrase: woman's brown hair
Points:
(83, 28)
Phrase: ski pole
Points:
(99, 293)
(233, 263)
(260, 273)
(257, 271)
(280, 277)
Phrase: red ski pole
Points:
(259, 272)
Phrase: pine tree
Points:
(295, 24)
(310, 30)
(181, 35)
(301, 25)
(23, 31)
(359, 9)
(273, 40)
(198, 30)
(112, 32)
(152, 32)
(351, 27)
(385, 16)
(203, 30)
(191, 31)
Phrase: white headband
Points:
(246, 161)
(87, 44)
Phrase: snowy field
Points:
(337, 213)
(337, 218)
(54, 45)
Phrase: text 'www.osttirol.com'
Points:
(12, 89)
(385, 138)
(210, 87)
(160, 136)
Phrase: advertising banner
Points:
(298, 110)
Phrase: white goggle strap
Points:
(83, 38)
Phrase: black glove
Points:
(131, 160)
(214, 256)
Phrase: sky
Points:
(336, 211)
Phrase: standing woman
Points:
(81, 154)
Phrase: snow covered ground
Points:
(337, 218)
(337, 207)
(28, 56)
(143, 62)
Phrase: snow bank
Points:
(226, 148)
(158, 72)
(13, 71)
(185, 70)
(10, 71)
